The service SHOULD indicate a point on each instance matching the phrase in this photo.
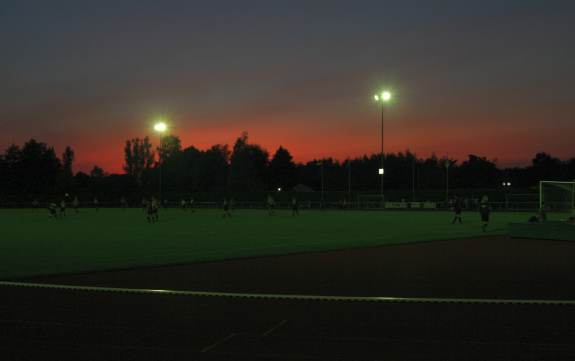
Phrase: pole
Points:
(322, 188)
(381, 189)
(447, 182)
(161, 170)
(413, 180)
(349, 179)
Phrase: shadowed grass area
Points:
(32, 244)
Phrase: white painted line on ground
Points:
(217, 343)
(287, 296)
(275, 327)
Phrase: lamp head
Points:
(386, 96)
(160, 127)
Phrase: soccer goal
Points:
(557, 197)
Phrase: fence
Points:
(303, 205)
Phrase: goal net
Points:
(557, 197)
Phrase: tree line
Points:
(34, 170)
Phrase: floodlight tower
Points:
(383, 98)
(447, 165)
(322, 183)
(161, 128)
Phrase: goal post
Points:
(557, 196)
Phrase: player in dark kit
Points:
(484, 211)
(63, 208)
(53, 209)
(270, 204)
(294, 207)
(226, 207)
(76, 205)
(457, 206)
(152, 211)
(123, 203)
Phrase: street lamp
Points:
(506, 186)
(161, 128)
(384, 97)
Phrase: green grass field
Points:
(32, 244)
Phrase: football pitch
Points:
(33, 244)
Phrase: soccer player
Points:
(144, 204)
(76, 204)
(63, 208)
(152, 213)
(227, 212)
(270, 204)
(457, 205)
(484, 211)
(96, 204)
(183, 205)
(294, 207)
(191, 205)
(53, 209)
(35, 204)
(123, 203)
(542, 216)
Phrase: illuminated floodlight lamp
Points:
(386, 96)
(160, 127)
(380, 171)
(279, 189)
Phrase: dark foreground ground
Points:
(48, 324)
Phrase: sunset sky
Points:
(489, 77)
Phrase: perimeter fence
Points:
(283, 200)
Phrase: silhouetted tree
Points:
(171, 145)
(138, 157)
(97, 172)
(478, 172)
(248, 165)
(282, 169)
(67, 172)
(546, 167)
(35, 168)
(82, 180)
(214, 168)
(181, 170)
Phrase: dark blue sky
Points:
(488, 77)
